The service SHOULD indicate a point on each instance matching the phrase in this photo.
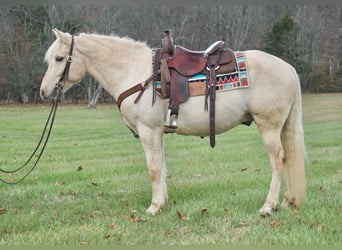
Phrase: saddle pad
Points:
(229, 81)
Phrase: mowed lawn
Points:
(91, 186)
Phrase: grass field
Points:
(91, 186)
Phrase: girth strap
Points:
(139, 87)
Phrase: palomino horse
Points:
(272, 101)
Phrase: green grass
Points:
(91, 186)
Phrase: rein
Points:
(49, 123)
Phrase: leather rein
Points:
(49, 123)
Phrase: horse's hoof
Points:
(267, 209)
(285, 204)
(153, 210)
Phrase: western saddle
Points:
(177, 64)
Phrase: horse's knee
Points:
(154, 172)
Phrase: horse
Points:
(272, 101)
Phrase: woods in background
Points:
(307, 36)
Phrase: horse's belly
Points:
(194, 120)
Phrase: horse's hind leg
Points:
(276, 154)
(152, 141)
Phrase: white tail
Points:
(292, 137)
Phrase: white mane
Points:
(113, 42)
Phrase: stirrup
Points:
(168, 122)
(174, 121)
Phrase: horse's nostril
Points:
(42, 94)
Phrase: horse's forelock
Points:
(49, 52)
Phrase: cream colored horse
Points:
(272, 101)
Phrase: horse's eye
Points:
(59, 58)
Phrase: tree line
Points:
(307, 36)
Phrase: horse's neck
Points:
(117, 64)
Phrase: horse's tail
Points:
(292, 137)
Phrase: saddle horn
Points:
(167, 43)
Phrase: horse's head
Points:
(56, 57)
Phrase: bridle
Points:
(65, 74)
(49, 123)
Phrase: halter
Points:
(49, 123)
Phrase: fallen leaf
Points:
(244, 169)
(180, 216)
(110, 236)
(83, 243)
(168, 234)
(107, 236)
(73, 193)
(3, 210)
(135, 218)
(244, 223)
(111, 226)
(274, 223)
(80, 168)
(95, 184)
(203, 210)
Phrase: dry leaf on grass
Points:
(135, 218)
(3, 210)
(203, 211)
(168, 234)
(274, 223)
(243, 223)
(73, 193)
(83, 243)
(181, 217)
(110, 236)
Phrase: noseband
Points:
(65, 74)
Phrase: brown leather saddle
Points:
(178, 64)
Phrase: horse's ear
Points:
(65, 37)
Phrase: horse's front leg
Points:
(152, 140)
